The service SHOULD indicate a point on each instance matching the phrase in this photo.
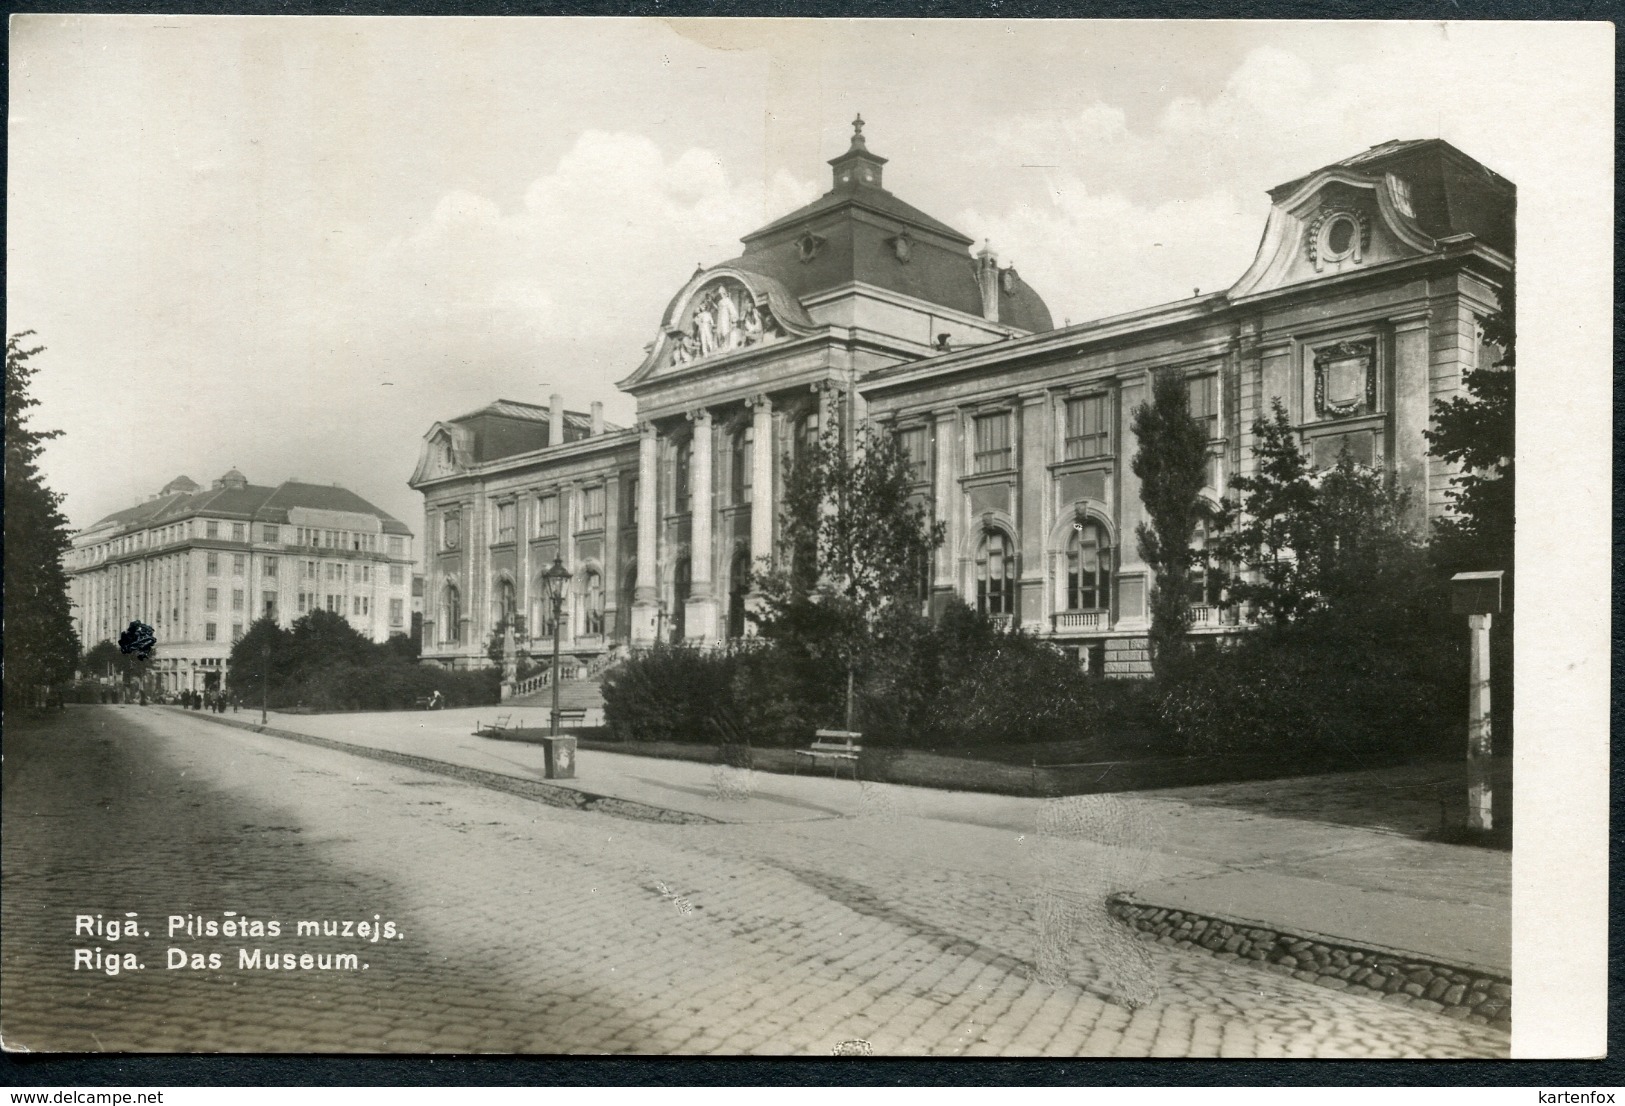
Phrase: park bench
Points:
(502, 722)
(836, 747)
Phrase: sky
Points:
(290, 245)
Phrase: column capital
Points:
(759, 402)
(646, 428)
(698, 415)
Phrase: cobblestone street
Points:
(529, 928)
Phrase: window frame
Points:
(982, 460)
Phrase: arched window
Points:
(995, 576)
(541, 607)
(451, 615)
(681, 586)
(592, 591)
(506, 605)
(738, 583)
(1088, 568)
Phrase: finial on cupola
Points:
(857, 166)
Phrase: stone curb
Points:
(1399, 978)
(551, 794)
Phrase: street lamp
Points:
(558, 578)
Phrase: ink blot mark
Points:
(140, 640)
(855, 1047)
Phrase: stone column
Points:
(761, 482)
(569, 496)
(612, 554)
(700, 617)
(1412, 394)
(950, 457)
(1036, 418)
(646, 597)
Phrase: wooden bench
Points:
(502, 722)
(835, 746)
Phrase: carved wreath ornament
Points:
(1346, 378)
(1317, 246)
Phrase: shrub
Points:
(388, 685)
(1331, 699)
(669, 693)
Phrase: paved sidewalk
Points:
(1253, 851)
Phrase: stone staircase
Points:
(577, 694)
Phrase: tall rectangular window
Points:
(741, 462)
(238, 564)
(1204, 402)
(1088, 427)
(214, 564)
(680, 467)
(397, 610)
(208, 631)
(268, 604)
(397, 574)
(504, 523)
(547, 516)
(592, 508)
(236, 599)
(211, 599)
(270, 566)
(397, 546)
(211, 529)
(629, 501)
(238, 531)
(994, 450)
(236, 631)
(915, 443)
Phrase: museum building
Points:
(1360, 310)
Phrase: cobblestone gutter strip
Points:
(1456, 991)
(548, 793)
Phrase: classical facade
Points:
(1359, 310)
(199, 565)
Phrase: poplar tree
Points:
(1171, 462)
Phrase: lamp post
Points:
(557, 577)
(265, 678)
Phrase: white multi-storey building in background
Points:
(199, 565)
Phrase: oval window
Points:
(1340, 236)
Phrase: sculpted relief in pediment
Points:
(722, 317)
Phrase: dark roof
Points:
(508, 427)
(250, 501)
(1450, 192)
(858, 222)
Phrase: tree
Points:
(1476, 431)
(41, 645)
(107, 659)
(1306, 542)
(1171, 462)
(262, 659)
(858, 540)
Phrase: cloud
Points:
(577, 276)
(1111, 215)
